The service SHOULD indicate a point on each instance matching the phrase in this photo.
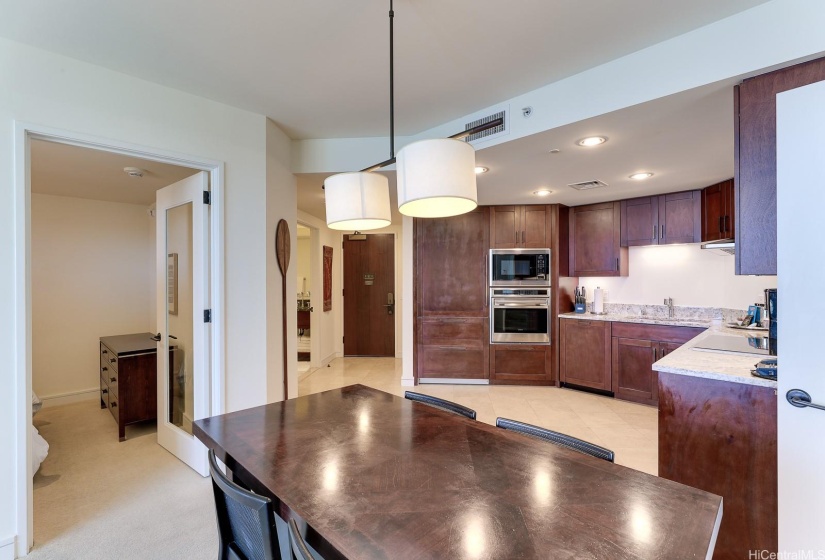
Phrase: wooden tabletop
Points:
(377, 476)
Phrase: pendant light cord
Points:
(392, 87)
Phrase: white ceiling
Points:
(686, 140)
(64, 170)
(320, 69)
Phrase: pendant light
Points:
(436, 178)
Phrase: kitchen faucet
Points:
(669, 303)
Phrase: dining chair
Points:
(246, 522)
(299, 548)
(441, 403)
(564, 440)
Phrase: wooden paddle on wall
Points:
(282, 251)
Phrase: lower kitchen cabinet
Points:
(453, 348)
(521, 364)
(635, 348)
(585, 353)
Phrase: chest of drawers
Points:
(128, 378)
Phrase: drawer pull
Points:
(104, 351)
(104, 391)
(461, 348)
(104, 368)
(114, 405)
(112, 360)
(113, 379)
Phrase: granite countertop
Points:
(643, 319)
(713, 365)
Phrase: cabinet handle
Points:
(617, 263)
(654, 353)
(727, 223)
(655, 231)
(461, 348)
(104, 368)
(104, 352)
(662, 234)
(112, 360)
(113, 379)
(522, 236)
(104, 391)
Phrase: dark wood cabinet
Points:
(635, 348)
(755, 162)
(129, 378)
(520, 364)
(660, 220)
(718, 217)
(585, 353)
(721, 437)
(451, 300)
(595, 241)
(513, 227)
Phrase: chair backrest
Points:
(245, 520)
(555, 437)
(299, 548)
(449, 406)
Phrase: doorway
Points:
(97, 265)
(369, 295)
(303, 261)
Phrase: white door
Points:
(184, 336)
(801, 307)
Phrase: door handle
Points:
(801, 399)
(156, 338)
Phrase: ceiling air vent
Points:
(489, 133)
(587, 185)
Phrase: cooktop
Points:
(745, 345)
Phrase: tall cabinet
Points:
(451, 303)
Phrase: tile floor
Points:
(629, 429)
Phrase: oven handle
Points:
(522, 305)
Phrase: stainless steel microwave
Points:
(519, 267)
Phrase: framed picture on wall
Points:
(327, 278)
(172, 283)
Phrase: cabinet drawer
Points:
(453, 329)
(108, 358)
(521, 364)
(104, 395)
(452, 361)
(114, 407)
(664, 333)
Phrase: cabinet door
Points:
(714, 210)
(455, 360)
(680, 218)
(585, 353)
(505, 230)
(755, 162)
(451, 265)
(520, 364)
(595, 241)
(666, 348)
(633, 375)
(730, 210)
(640, 221)
(535, 227)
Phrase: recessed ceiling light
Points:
(480, 170)
(542, 192)
(591, 141)
(641, 176)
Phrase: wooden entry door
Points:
(369, 295)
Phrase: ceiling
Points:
(686, 140)
(64, 170)
(319, 69)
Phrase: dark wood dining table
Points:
(373, 476)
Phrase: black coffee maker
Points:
(770, 307)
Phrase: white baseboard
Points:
(407, 382)
(331, 357)
(7, 548)
(60, 399)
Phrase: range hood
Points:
(725, 245)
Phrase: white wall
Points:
(92, 273)
(690, 275)
(65, 94)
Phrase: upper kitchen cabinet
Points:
(755, 162)
(513, 227)
(718, 212)
(660, 220)
(595, 235)
(451, 265)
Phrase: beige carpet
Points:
(96, 498)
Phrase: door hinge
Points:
(207, 315)
(207, 197)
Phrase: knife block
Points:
(580, 307)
